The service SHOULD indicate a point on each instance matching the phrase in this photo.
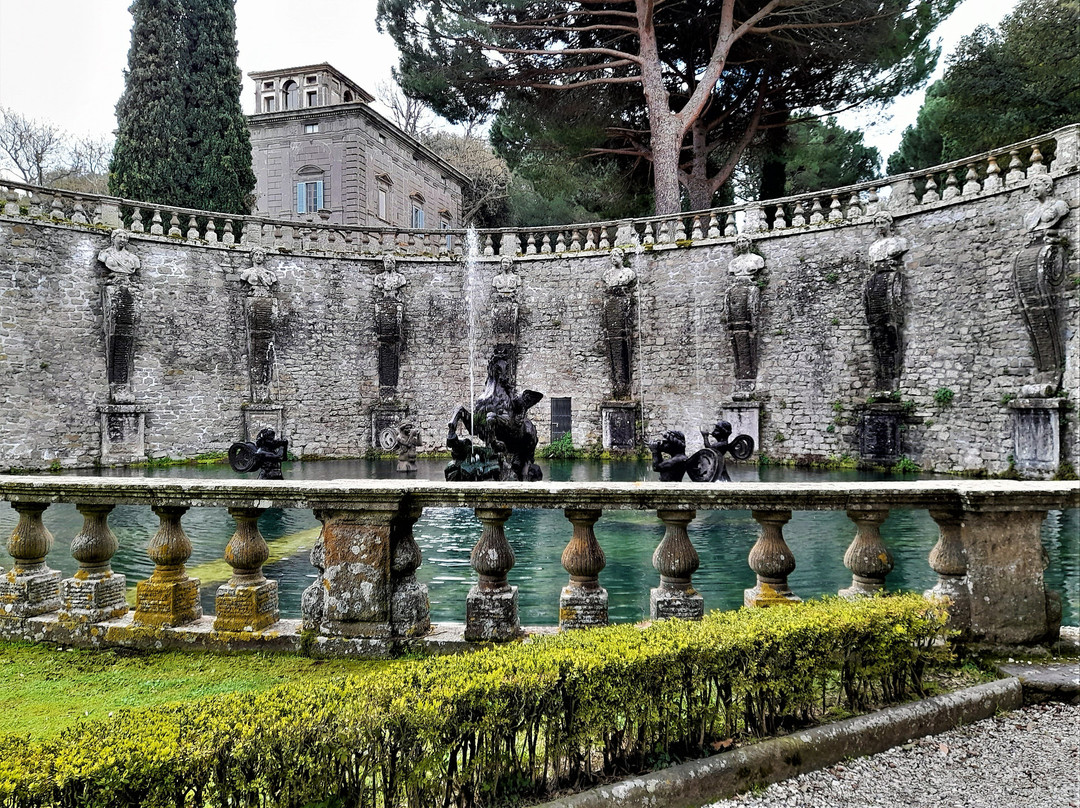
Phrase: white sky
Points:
(63, 60)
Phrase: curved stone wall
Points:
(208, 330)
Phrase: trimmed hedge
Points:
(495, 726)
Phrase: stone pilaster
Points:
(772, 561)
(949, 560)
(30, 588)
(867, 556)
(95, 592)
(676, 560)
(168, 597)
(583, 602)
(410, 607)
(248, 602)
(491, 607)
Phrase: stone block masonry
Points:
(963, 332)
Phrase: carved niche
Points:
(1038, 271)
(389, 322)
(883, 300)
(118, 305)
(743, 305)
(617, 323)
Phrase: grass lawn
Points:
(47, 689)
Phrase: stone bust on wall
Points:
(258, 276)
(883, 302)
(388, 281)
(742, 305)
(617, 322)
(506, 282)
(117, 258)
(389, 323)
(504, 311)
(1050, 210)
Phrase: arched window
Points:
(347, 97)
(290, 95)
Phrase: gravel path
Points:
(1026, 759)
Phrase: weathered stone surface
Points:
(168, 597)
(772, 561)
(30, 587)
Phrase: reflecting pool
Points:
(446, 535)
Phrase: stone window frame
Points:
(416, 217)
(383, 186)
(290, 94)
(311, 182)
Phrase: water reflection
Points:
(446, 535)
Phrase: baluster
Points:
(575, 241)
(605, 242)
(95, 593)
(695, 229)
(731, 228)
(530, 245)
(649, 239)
(772, 561)
(137, 222)
(1016, 174)
(491, 607)
(56, 208)
(410, 607)
(156, 227)
(951, 183)
(971, 181)
(854, 209)
(714, 226)
(799, 217)
(489, 245)
(676, 560)
(174, 225)
(36, 208)
(248, 602)
(993, 175)
(931, 193)
(560, 243)
(11, 202)
(867, 557)
(664, 236)
(30, 588)
(583, 602)
(545, 245)
(680, 230)
(228, 237)
(1036, 164)
(168, 597)
(192, 229)
(949, 560)
(779, 218)
(211, 231)
(835, 213)
(590, 240)
(78, 213)
(873, 201)
(817, 215)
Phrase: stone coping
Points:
(993, 495)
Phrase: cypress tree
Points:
(218, 145)
(147, 158)
(182, 138)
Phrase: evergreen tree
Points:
(182, 138)
(148, 157)
(218, 144)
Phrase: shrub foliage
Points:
(496, 726)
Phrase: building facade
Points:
(320, 152)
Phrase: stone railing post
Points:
(95, 592)
(949, 561)
(867, 557)
(30, 588)
(248, 602)
(1008, 599)
(491, 607)
(168, 597)
(352, 596)
(676, 560)
(772, 561)
(583, 602)
(410, 607)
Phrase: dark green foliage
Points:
(218, 151)
(1001, 86)
(823, 154)
(182, 138)
(495, 727)
(151, 137)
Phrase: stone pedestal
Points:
(410, 607)
(168, 597)
(1036, 435)
(676, 560)
(95, 592)
(384, 422)
(745, 419)
(583, 602)
(491, 607)
(257, 417)
(618, 423)
(867, 557)
(772, 561)
(123, 433)
(30, 588)
(248, 602)
(879, 432)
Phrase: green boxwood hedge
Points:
(496, 726)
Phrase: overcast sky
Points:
(63, 60)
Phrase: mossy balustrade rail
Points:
(989, 557)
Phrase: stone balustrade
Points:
(950, 183)
(367, 600)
